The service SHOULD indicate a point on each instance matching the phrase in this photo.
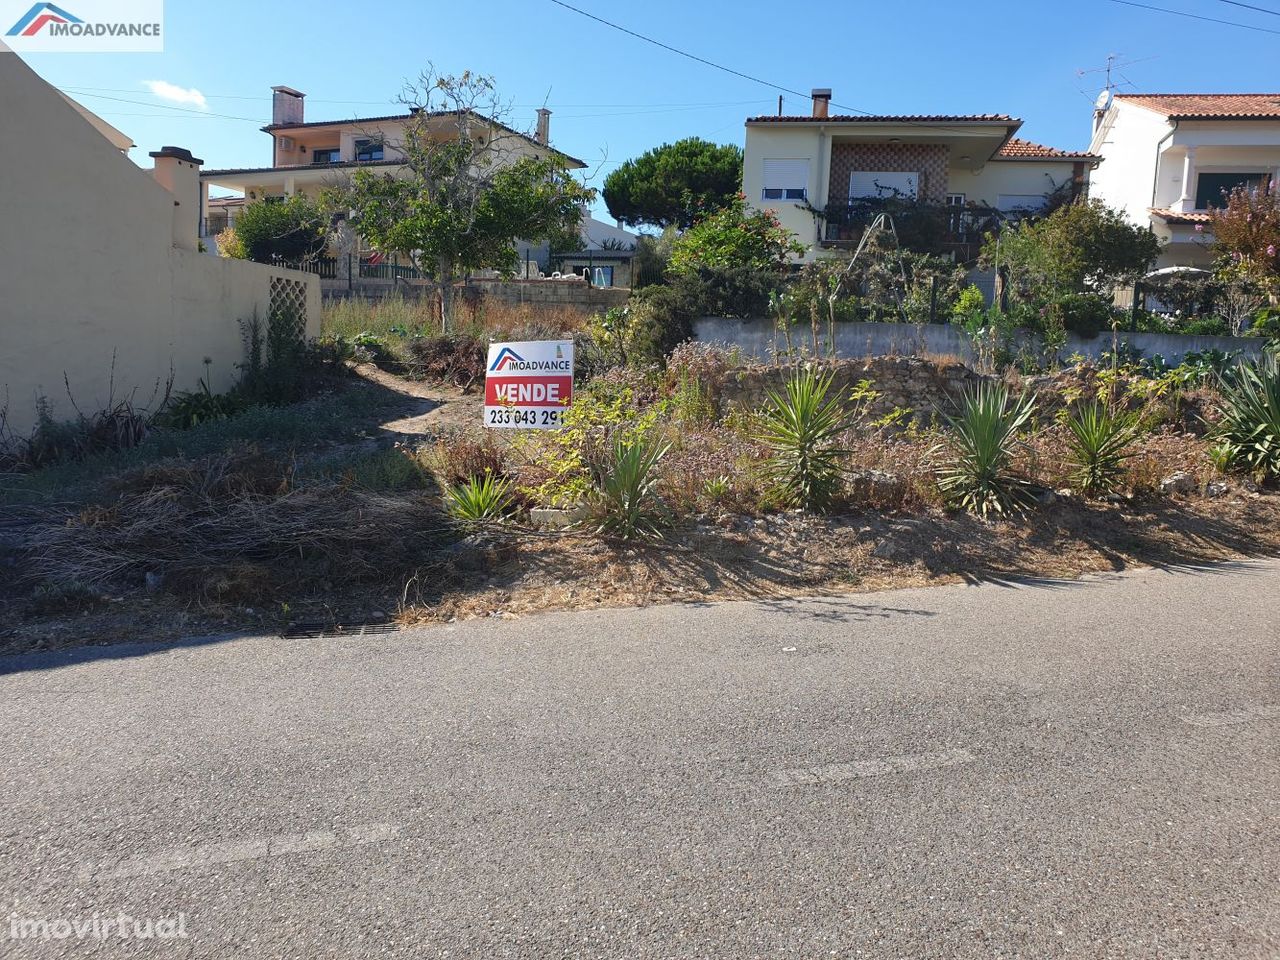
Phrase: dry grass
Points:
(236, 528)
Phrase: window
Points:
(326, 155)
(1212, 188)
(955, 199)
(786, 180)
(883, 184)
(368, 149)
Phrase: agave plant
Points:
(982, 439)
(626, 502)
(801, 428)
(479, 498)
(1251, 417)
(1099, 443)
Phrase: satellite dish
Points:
(1104, 100)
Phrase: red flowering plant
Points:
(1246, 234)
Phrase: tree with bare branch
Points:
(469, 187)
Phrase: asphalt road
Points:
(1048, 770)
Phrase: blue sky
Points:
(614, 96)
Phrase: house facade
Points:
(308, 155)
(105, 294)
(821, 174)
(1170, 158)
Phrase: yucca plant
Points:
(982, 439)
(626, 502)
(1100, 440)
(479, 498)
(1251, 416)
(801, 428)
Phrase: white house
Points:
(810, 170)
(1170, 157)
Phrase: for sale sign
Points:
(528, 384)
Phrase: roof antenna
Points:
(779, 104)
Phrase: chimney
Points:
(286, 105)
(543, 136)
(179, 172)
(821, 102)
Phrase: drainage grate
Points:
(315, 629)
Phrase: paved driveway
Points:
(1052, 770)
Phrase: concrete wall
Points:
(97, 259)
(756, 338)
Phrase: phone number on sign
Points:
(517, 417)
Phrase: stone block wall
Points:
(903, 383)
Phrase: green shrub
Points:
(1204, 327)
(479, 499)
(801, 428)
(982, 439)
(292, 229)
(1251, 417)
(625, 502)
(1100, 440)
(1266, 323)
(1083, 313)
(192, 408)
(397, 468)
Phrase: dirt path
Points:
(430, 408)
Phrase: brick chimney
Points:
(543, 134)
(286, 105)
(821, 102)
(179, 172)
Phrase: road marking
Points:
(1231, 717)
(235, 851)
(882, 766)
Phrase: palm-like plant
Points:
(479, 499)
(1251, 416)
(626, 501)
(801, 427)
(1100, 440)
(982, 439)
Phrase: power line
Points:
(1180, 13)
(698, 59)
(165, 106)
(1250, 6)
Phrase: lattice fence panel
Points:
(289, 306)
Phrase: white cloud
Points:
(171, 91)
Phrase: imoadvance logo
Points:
(508, 361)
(107, 26)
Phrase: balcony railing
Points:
(925, 227)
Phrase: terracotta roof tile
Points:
(1017, 149)
(1173, 216)
(1209, 106)
(905, 118)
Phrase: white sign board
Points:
(528, 384)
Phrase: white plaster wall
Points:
(89, 269)
(1029, 177)
(784, 142)
(1128, 143)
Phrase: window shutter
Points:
(786, 174)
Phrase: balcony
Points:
(935, 228)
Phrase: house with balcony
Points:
(826, 176)
(309, 155)
(1171, 158)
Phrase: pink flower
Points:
(1271, 250)
(1199, 228)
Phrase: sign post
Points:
(528, 384)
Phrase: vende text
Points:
(527, 390)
